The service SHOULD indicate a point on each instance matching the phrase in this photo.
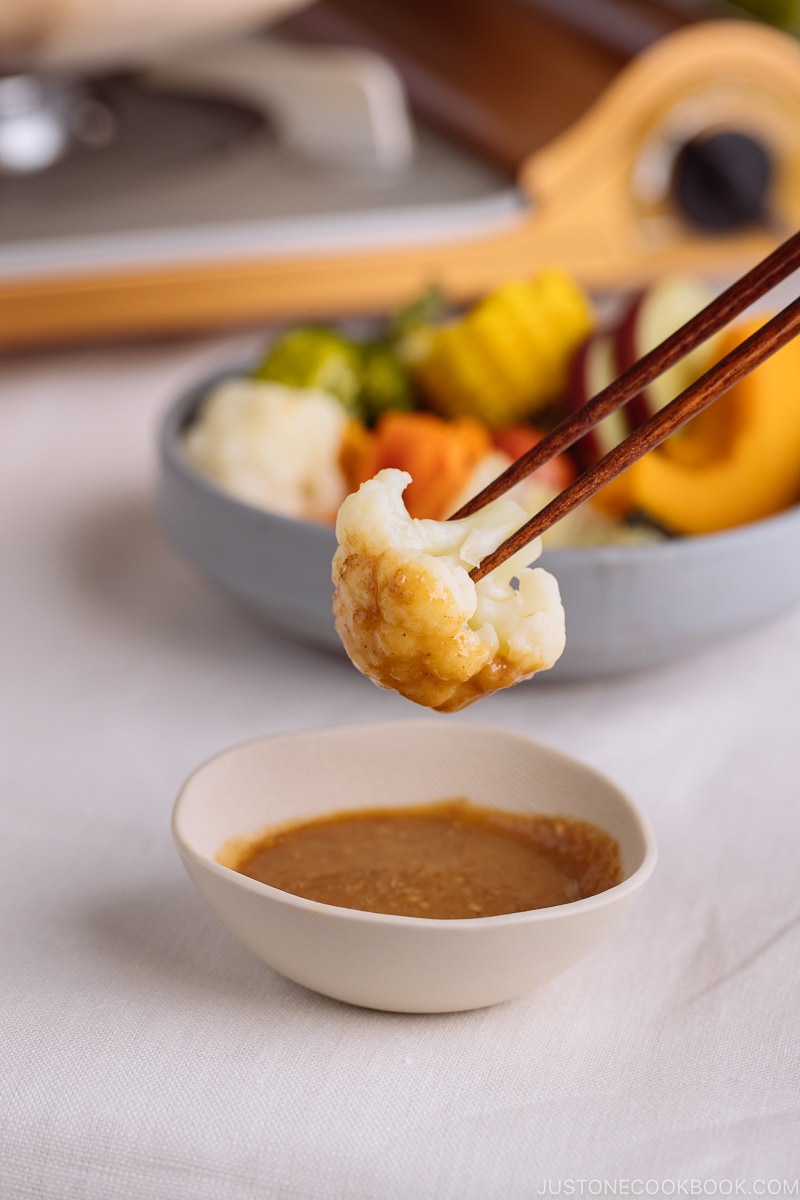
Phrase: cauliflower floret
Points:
(273, 446)
(413, 620)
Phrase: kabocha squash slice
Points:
(738, 461)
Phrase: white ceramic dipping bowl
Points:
(402, 964)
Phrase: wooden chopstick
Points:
(728, 305)
(708, 388)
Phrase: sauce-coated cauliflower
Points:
(273, 446)
(413, 620)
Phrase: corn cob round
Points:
(509, 356)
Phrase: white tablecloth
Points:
(146, 1056)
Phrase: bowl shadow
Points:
(122, 564)
(167, 937)
(169, 942)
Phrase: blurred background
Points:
(166, 167)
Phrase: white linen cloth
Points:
(146, 1056)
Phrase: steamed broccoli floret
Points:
(316, 358)
(385, 383)
(367, 378)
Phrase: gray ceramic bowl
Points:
(627, 607)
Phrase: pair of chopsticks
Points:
(704, 391)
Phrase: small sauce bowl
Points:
(402, 964)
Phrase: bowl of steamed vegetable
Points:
(693, 544)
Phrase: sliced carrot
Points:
(439, 455)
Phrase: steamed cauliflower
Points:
(410, 616)
(273, 446)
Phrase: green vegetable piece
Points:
(425, 310)
(316, 358)
(385, 383)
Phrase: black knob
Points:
(721, 181)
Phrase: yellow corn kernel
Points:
(506, 351)
(509, 356)
(458, 378)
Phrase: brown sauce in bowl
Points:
(451, 859)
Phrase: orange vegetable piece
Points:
(356, 444)
(738, 461)
(439, 456)
(516, 440)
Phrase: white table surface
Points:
(145, 1055)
